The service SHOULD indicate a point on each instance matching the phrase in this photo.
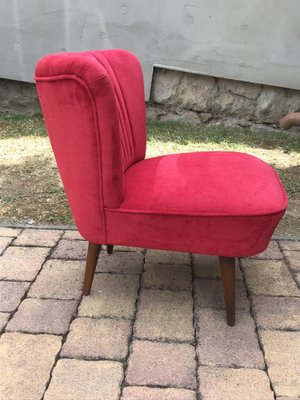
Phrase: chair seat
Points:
(221, 203)
(214, 183)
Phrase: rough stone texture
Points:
(94, 338)
(297, 277)
(121, 262)
(208, 267)
(26, 361)
(59, 279)
(290, 245)
(272, 252)
(234, 384)
(222, 345)
(268, 277)
(112, 295)
(3, 320)
(196, 92)
(10, 232)
(287, 398)
(145, 393)
(209, 293)
(245, 89)
(284, 364)
(85, 380)
(162, 364)
(4, 242)
(73, 250)
(41, 237)
(18, 97)
(72, 235)
(43, 316)
(293, 260)
(166, 257)
(168, 277)
(22, 263)
(165, 85)
(165, 315)
(277, 312)
(11, 294)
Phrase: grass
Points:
(30, 187)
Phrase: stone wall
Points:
(201, 99)
(185, 97)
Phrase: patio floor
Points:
(153, 327)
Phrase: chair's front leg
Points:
(91, 262)
(110, 248)
(227, 267)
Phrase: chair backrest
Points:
(94, 110)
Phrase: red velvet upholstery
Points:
(221, 203)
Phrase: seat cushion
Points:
(218, 195)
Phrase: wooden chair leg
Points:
(227, 267)
(91, 262)
(110, 248)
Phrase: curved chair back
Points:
(94, 110)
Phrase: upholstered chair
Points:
(217, 203)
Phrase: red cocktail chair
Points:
(222, 203)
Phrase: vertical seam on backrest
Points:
(130, 149)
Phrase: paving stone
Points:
(290, 244)
(94, 338)
(297, 277)
(38, 237)
(3, 320)
(270, 278)
(277, 312)
(293, 260)
(165, 315)
(167, 276)
(287, 398)
(209, 293)
(59, 279)
(43, 316)
(85, 380)
(282, 355)
(10, 232)
(167, 257)
(234, 384)
(11, 294)
(121, 262)
(162, 364)
(222, 345)
(112, 295)
(146, 393)
(71, 249)
(272, 252)
(22, 263)
(208, 267)
(72, 235)
(127, 248)
(26, 362)
(4, 242)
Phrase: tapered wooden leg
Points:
(110, 248)
(227, 267)
(91, 262)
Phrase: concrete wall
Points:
(255, 41)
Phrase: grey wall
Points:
(255, 41)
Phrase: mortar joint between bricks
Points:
(256, 331)
(132, 337)
(198, 392)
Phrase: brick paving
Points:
(153, 327)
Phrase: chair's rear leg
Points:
(91, 262)
(227, 267)
(110, 248)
